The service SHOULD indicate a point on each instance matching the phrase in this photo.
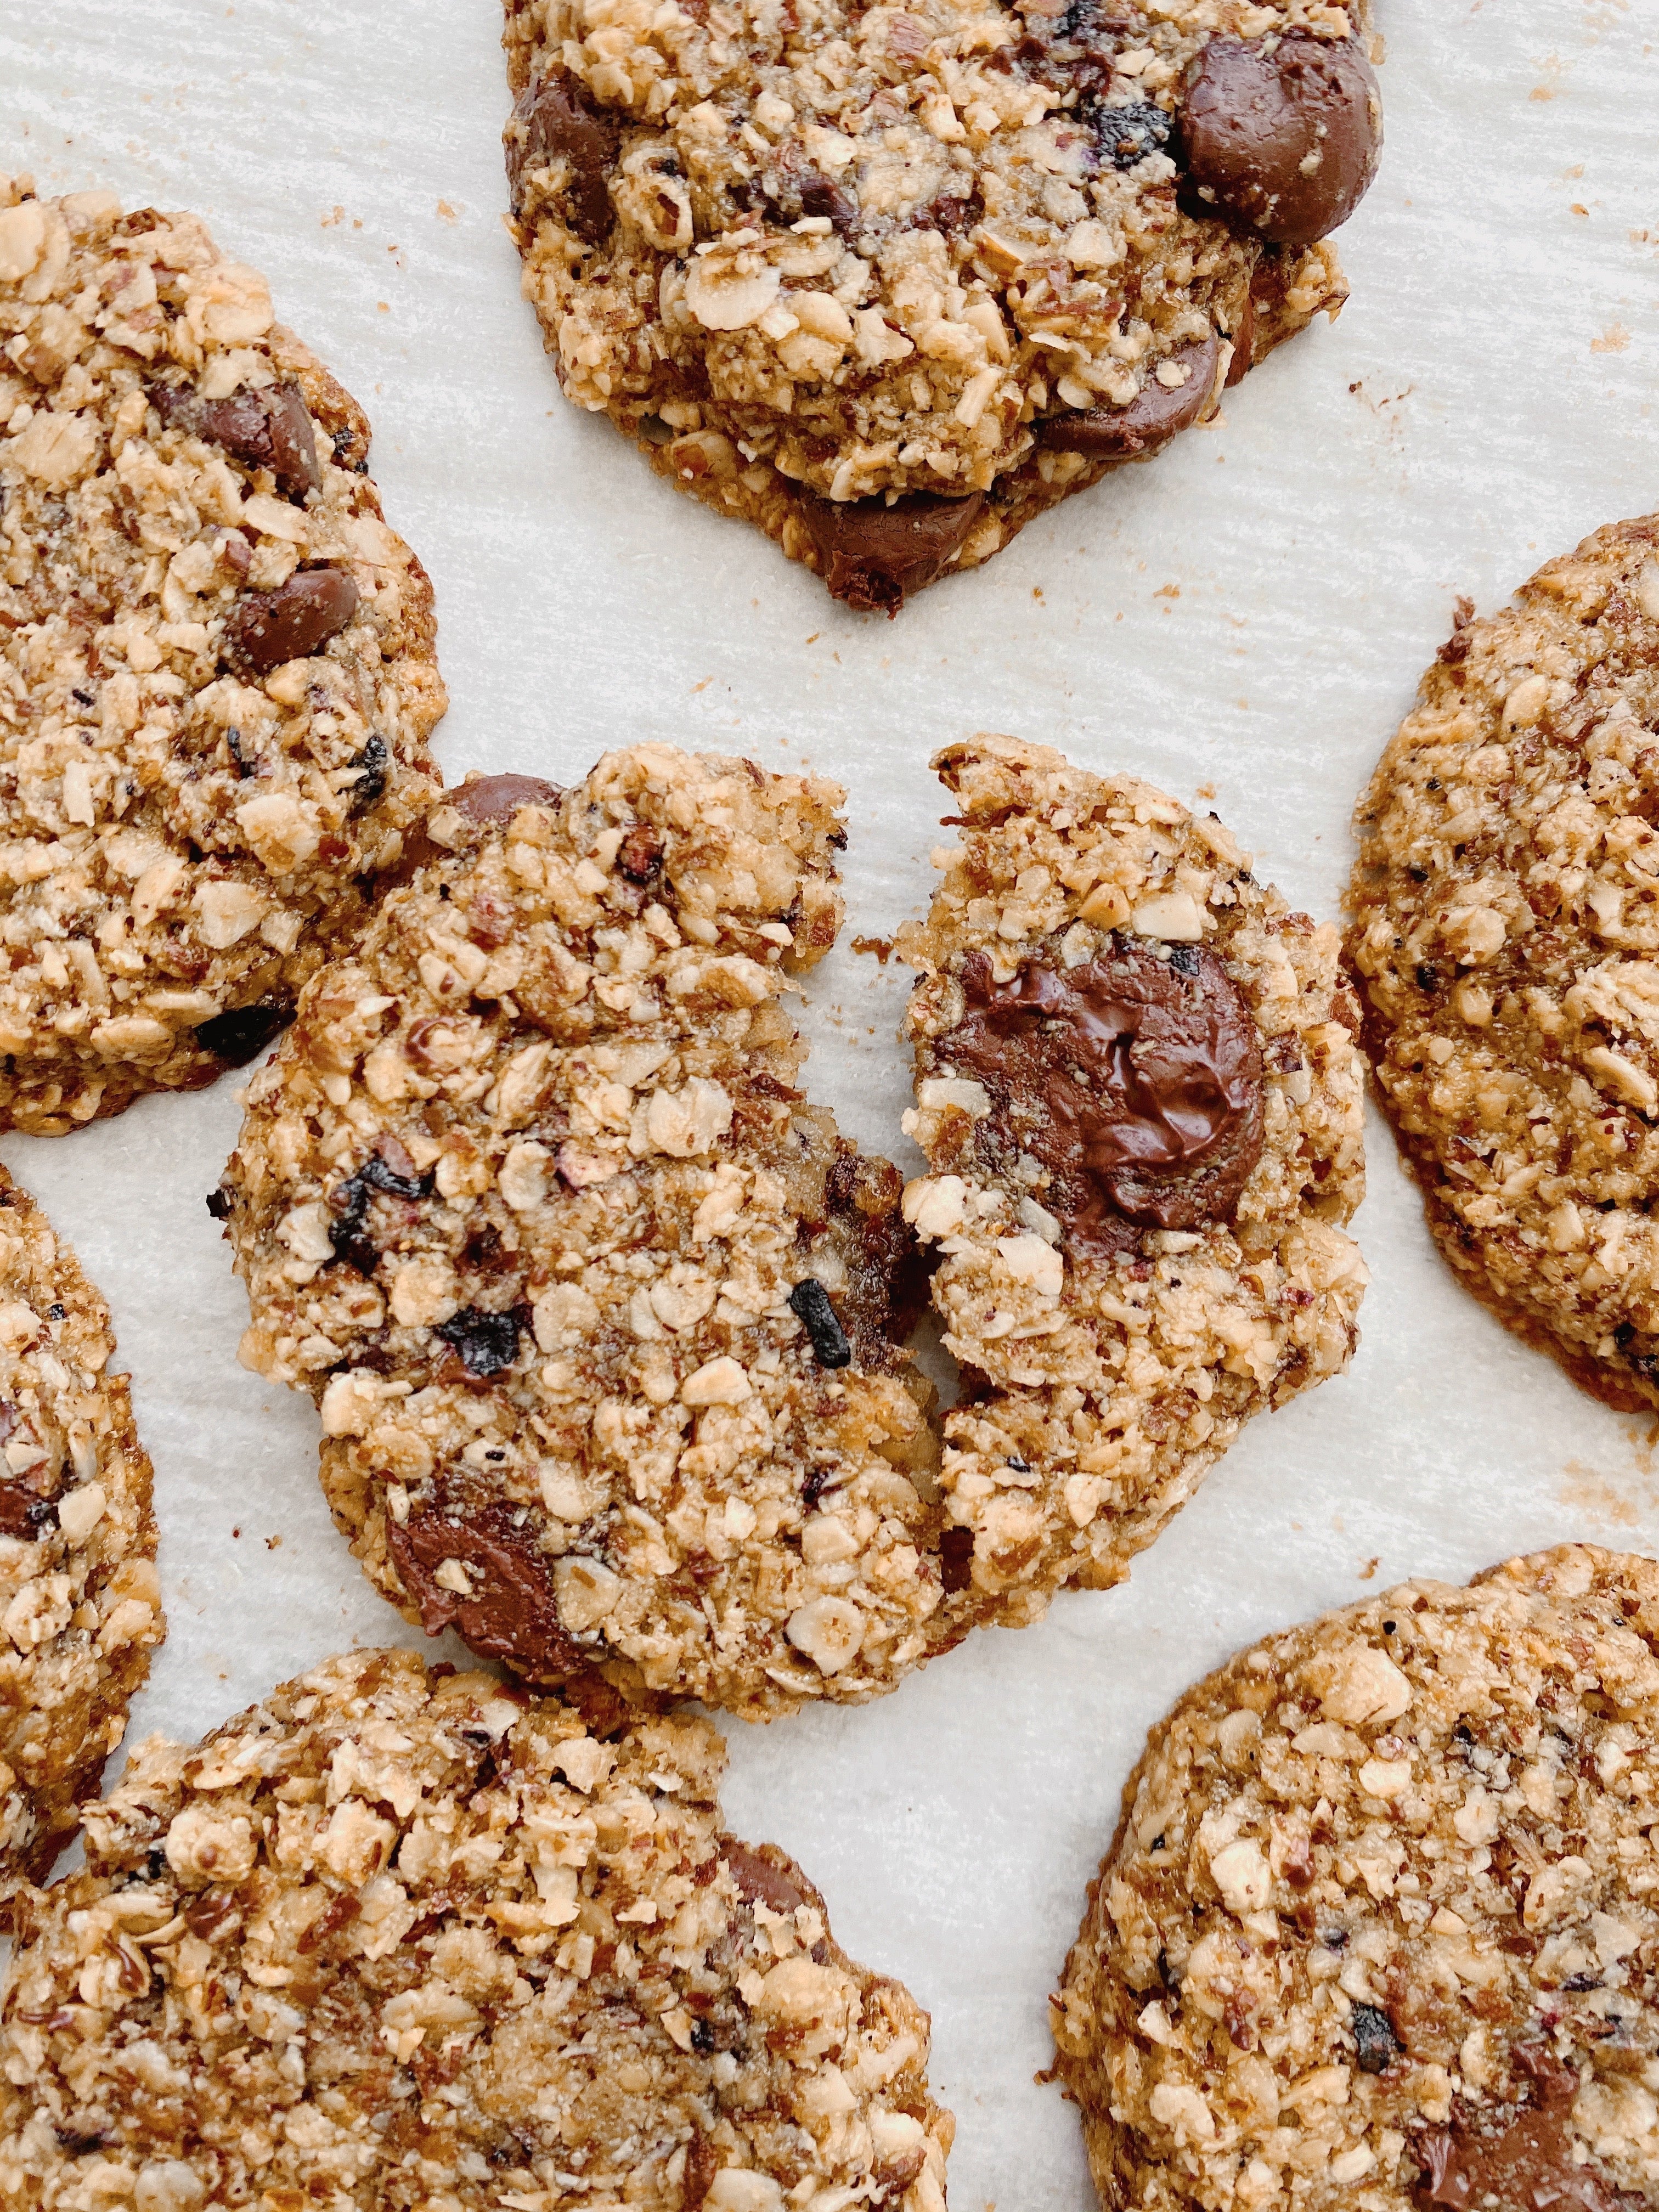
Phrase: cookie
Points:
(80, 1603)
(602, 1318)
(1378, 1925)
(1505, 941)
(411, 1939)
(216, 671)
(888, 282)
(1139, 1097)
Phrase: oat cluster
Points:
(412, 1940)
(603, 1318)
(856, 251)
(1384, 1905)
(190, 790)
(80, 1603)
(1099, 1389)
(1505, 939)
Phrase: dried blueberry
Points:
(348, 1235)
(810, 1302)
(371, 767)
(955, 1559)
(1374, 2041)
(1127, 133)
(487, 1342)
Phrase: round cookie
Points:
(80, 1603)
(1505, 941)
(216, 670)
(604, 1320)
(888, 282)
(1140, 1099)
(415, 1940)
(1378, 1927)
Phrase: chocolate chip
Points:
(1128, 133)
(511, 1611)
(371, 764)
(487, 1342)
(265, 628)
(810, 1302)
(498, 797)
(269, 429)
(639, 854)
(236, 1035)
(1151, 418)
(956, 1559)
(1283, 134)
(24, 1514)
(557, 122)
(1375, 2043)
(871, 554)
(1137, 1087)
(763, 1875)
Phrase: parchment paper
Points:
(1250, 613)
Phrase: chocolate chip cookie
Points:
(1378, 1925)
(1505, 941)
(216, 671)
(888, 282)
(1139, 1095)
(79, 1604)
(414, 1939)
(603, 1319)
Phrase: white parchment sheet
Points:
(1251, 612)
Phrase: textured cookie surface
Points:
(1505, 940)
(80, 1603)
(1380, 1926)
(818, 260)
(602, 1318)
(415, 1941)
(216, 671)
(1139, 1096)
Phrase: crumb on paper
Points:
(881, 946)
(1368, 1573)
(449, 211)
(273, 1543)
(1614, 339)
(337, 216)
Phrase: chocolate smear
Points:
(1282, 134)
(873, 555)
(510, 1613)
(1135, 1080)
(1521, 2162)
(1156, 414)
(265, 628)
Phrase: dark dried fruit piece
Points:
(235, 1035)
(348, 1234)
(1282, 134)
(498, 797)
(1128, 133)
(24, 1514)
(371, 764)
(265, 628)
(1157, 413)
(269, 429)
(554, 122)
(1376, 2044)
(486, 1342)
(639, 854)
(956, 1560)
(872, 554)
(511, 1611)
(812, 1309)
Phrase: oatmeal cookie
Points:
(79, 1604)
(216, 671)
(414, 1940)
(604, 1320)
(888, 282)
(1380, 1925)
(1139, 1096)
(1505, 940)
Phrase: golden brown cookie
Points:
(216, 670)
(1378, 1928)
(411, 1939)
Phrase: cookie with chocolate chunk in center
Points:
(1138, 1093)
(80, 1603)
(1378, 1909)
(888, 282)
(1506, 944)
(605, 1319)
(216, 670)
(478, 1938)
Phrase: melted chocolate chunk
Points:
(1152, 417)
(265, 628)
(510, 1613)
(871, 554)
(764, 1875)
(498, 797)
(1521, 2161)
(556, 121)
(24, 1513)
(1282, 135)
(237, 1035)
(486, 1342)
(269, 429)
(1137, 1084)
(1375, 2043)
(810, 1302)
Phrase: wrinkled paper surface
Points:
(1251, 612)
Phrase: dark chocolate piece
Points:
(265, 628)
(1282, 134)
(1156, 414)
(556, 120)
(871, 554)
